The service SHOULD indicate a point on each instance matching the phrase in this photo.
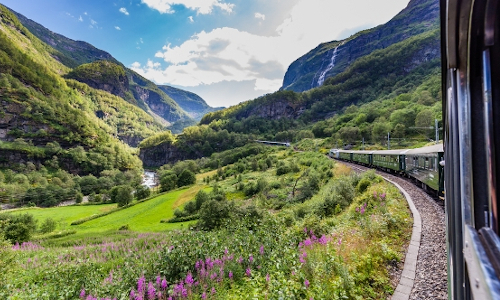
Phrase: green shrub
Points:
(186, 177)
(121, 194)
(168, 181)
(213, 214)
(363, 185)
(48, 225)
(17, 228)
(142, 192)
(200, 198)
(283, 169)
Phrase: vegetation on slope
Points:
(407, 70)
(336, 242)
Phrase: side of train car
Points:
(421, 164)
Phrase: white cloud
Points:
(191, 19)
(200, 6)
(117, 28)
(93, 22)
(231, 55)
(141, 41)
(80, 19)
(124, 11)
(260, 16)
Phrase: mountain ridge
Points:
(138, 91)
(419, 16)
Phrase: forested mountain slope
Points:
(85, 59)
(47, 119)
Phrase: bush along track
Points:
(337, 244)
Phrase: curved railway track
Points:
(430, 275)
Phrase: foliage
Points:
(121, 194)
(17, 228)
(186, 177)
(142, 192)
(48, 225)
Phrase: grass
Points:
(66, 214)
(142, 217)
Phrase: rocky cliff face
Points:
(160, 155)
(193, 104)
(277, 110)
(155, 102)
(13, 125)
(303, 74)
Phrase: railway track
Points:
(430, 272)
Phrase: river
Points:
(149, 179)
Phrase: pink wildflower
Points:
(141, 284)
(163, 284)
(248, 272)
(189, 279)
(230, 275)
(261, 250)
(151, 291)
(267, 277)
(306, 283)
(82, 294)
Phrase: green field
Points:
(142, 217)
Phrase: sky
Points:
(226, 51)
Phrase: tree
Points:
(168, 181)
(121, 194)
(142, 192)
(399, 131)
(404, 116)
(213, 213)
(200, 198)
(17, 228)
(349, 134)
(186, 178)
(425, 118)
(379, 131)
(48, 225)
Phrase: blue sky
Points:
(226, 51)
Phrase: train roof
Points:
(428, 149)
(357, 151)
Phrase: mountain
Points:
(89, 65)
(193, 104)
(71, 53)
(49, 120)
(332, 58)
(127, 84)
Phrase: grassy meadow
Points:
(291, 225)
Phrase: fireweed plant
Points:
(303, 251)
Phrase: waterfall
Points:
(330, 66)
(149, 179)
